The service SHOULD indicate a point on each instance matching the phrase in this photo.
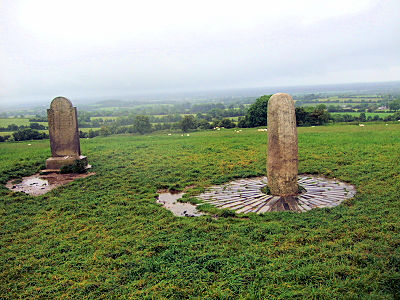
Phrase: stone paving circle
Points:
(245, 195)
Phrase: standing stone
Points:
(282, 165)
(64, 134)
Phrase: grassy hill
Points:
(105, 237)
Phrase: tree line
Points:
(14, 127)
(255, 115)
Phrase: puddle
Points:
(38, 184)
(170, 202)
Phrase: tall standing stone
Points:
(282, 165)
(64, 134)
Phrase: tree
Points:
(227, 123)
(242, 122)
(318, 116)
(314, 116)
(12, 127)
(29, 134)
(104, 131)
(93, 133)
(301, 116)
(83, 134)
(203, 124)
(37, 126)
(257, 113)
(142, 124)
(362, 117)
(394, 105)
(4, 138)
(188, 123)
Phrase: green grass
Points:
(104, 237)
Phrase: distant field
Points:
(87, 129)
(370, 98)
(367, 114)
(104, 118)
(355, 99)
(330, 103)
(4, 122)
(11, 132)
(114, 118)
(335, 100)
(2, 133)
(160, 116)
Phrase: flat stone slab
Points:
(169, 201)
(245, 195)
(40, 184)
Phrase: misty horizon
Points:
(360, 88)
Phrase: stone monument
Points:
(284, 192)
(64, 134)
(282, 165)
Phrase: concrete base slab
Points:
(56, 163)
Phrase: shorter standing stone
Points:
(64, 134)
(282, 165)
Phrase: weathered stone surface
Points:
(63, 128)
(318, 192)
(55, 163)
(282, 164)
(64, 134)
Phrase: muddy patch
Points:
(38, 184)
(170, 202)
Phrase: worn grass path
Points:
(104, 237)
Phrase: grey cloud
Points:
(273, 53)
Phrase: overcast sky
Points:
(85, 48)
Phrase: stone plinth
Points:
(64, 134)
(56, 163)
(282, 164)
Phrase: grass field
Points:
(104, 118)
(367, 114)
(4, 133)
(360, 99)
(104, 237)
(4, 122)
(114, 118)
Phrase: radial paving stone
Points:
(245, 195)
